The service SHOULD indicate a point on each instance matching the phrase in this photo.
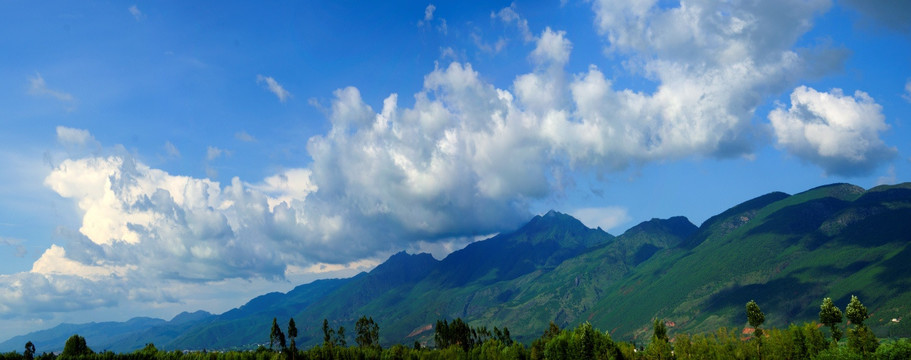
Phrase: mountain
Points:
(51, 340)
(786, 252)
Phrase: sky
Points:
(171, 156)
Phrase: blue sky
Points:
(169, 156)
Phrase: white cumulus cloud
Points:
(838, 132)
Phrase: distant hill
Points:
(786, 252)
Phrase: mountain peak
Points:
(405, 266)
(553, 218)
(188, 316)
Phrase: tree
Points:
(502, 336)
(292, 333)
(856, 312)
(29, 351)
(756, 317)
(860, 338)
(367, 332)
(659, 347)
(149, 350)
(276, 335)
(328, 333)
(75, 346)
(660, 331)
(340, 340)
(830, 315)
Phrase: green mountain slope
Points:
(786, 254)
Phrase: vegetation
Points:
(457, 340)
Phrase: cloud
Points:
(74, 137)
(213, 153)
(607, 218)
(907, 94)
(244, 136)
(274, 87)
(38, 87)
(889, 178)
(509, 15)
(428, 15)
(171, 150)
(552, 46)
(29, 294)
(15, 244)
(442, 27)
(176, 227)
(136, 13)
(837, 132)
(884, 13)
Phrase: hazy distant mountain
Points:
(786, 252)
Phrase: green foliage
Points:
(862, 340)
(29, 353)
(838, 353)
(755, 317)
(328, 334)
(340, 337)
(830, 315)
(856, 312)
(897, 350)
(583, 342)
(457, 333)
(292, 330)
(367, 332)
(276, 335)
(149, 350)
(75, 346)
(659, 331)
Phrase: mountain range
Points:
(784, 251)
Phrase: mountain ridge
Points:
(785, 251)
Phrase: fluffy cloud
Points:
(34, 293)
(838, 132)
(273, 87)
(176, 226)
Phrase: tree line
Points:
(457, 340)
